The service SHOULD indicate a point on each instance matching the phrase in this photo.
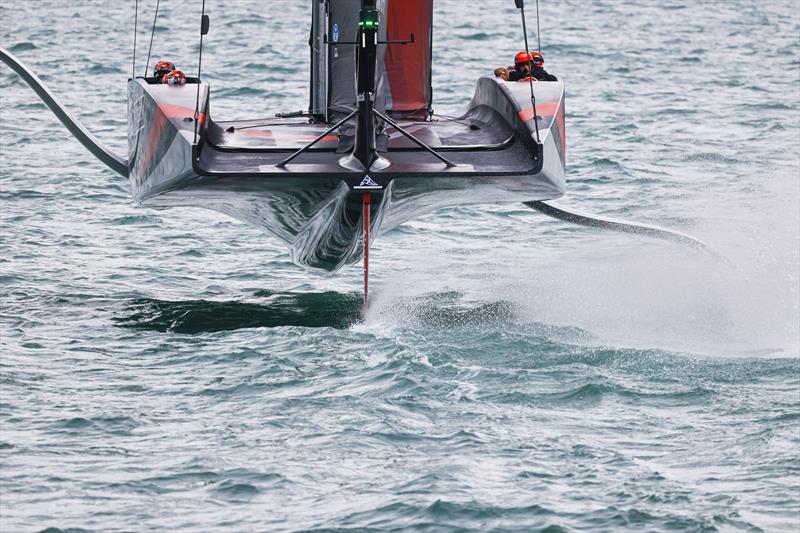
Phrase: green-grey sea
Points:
(172, 370)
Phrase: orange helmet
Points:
(538, 59)
(176, 77)
(163, 68)
(522, 57)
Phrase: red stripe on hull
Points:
(153, 138)
(544, 109)
(173, 111)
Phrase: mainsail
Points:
(408, 67)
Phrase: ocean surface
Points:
(172, 370)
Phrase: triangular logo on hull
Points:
(368, 183)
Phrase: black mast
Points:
(364, 155)
(364, 149)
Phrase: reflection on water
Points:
(310, 310)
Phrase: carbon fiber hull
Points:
(314, 203)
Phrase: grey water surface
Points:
(172, 370)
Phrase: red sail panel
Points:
(408, 67)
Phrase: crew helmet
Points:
(538, 59)
(522, 57)
(176, 77)
(163, 68)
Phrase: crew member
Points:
(538, 71)
(176, 77)
(161, 69)
(523, 65)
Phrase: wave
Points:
(23, 47)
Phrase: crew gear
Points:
(162, 68)
(523, 57)
(176, 77)
(526, 65)
(538, 69)
(542, 75)
(517, 75)
(523, 64)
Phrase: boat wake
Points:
(609, 294)
(443, 310)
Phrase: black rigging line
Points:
(530, 76)
(152, 34)
(538, 28)
(135, 31)
(458, 120)
(203, 29)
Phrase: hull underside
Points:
(321, 220)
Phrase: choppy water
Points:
(172, 370)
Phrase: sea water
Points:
(172, 370)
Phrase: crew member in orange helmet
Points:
(176, 77)
(521, 69)
(525, 65)
(538, 71)
(161, 69)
